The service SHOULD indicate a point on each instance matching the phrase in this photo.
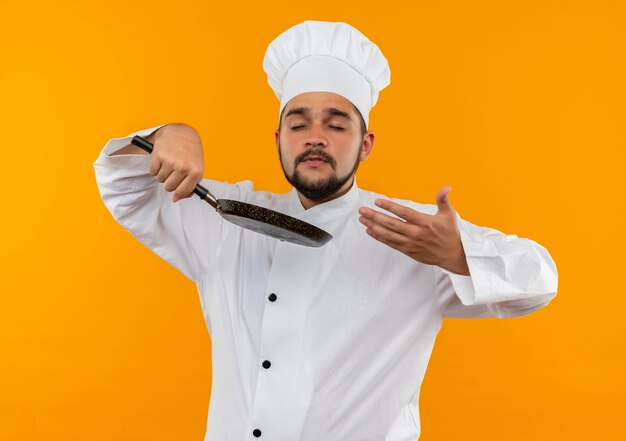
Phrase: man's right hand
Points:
(177, 159)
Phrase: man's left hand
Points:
(431, 239)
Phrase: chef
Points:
(329, 343)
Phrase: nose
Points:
(316, 137)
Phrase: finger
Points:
(386, 236)
(164, 172)
(154, 166)
(406, 213)
(443, 204)
(185, 188)
(176, 198)
(370, 217)
(173, 180)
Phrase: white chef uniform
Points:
(312, 344)
(318, 344)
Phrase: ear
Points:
(276, 138)
(368, 144)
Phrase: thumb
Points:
(443, 204)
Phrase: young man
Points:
(327, 343)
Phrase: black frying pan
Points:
(255, 218)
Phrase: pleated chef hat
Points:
(321, 56)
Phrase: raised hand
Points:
(431, 239)
(177, 160)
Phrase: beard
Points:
(323, 188)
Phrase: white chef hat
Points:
(321, 56)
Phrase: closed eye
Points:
(332, 127)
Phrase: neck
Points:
(308, 203)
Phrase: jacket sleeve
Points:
(186, 233)
(509, 276)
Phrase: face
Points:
(320, 144)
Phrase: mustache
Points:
(316, 152)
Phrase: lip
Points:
(314, 158)
(314, 162)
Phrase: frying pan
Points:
(255, 218)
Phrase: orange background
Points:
(519, 106)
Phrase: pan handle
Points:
(204, 193)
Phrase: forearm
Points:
(503, 267)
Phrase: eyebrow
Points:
(329, 110)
